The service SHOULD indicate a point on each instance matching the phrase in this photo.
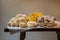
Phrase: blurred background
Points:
(9, 8)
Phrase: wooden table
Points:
(23, 33)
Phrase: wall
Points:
(12, 7)
(0, 13)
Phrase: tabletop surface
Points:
(37, 29)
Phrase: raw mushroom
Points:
(22, 24)
(31, 24)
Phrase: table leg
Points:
(22, 35)
(58, 35)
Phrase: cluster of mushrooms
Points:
(47, 21)
(33, 20)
